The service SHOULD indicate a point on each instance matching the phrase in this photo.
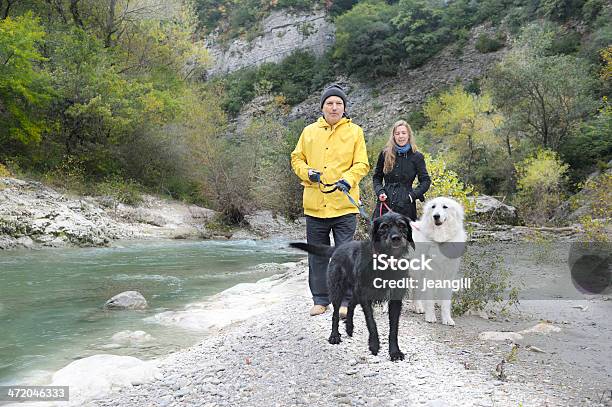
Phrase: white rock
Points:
(541, 328)
(500, 336)
(111, 346)
(132, 337)
(26, 242)
(127, 300)
(96, 376)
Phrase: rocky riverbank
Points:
(281, 357)
(33, 215)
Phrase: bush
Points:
(4, 172)
(367, 42)
(295, 78)
(589, 145)
(540, 185)
(561, 10)
(486, 44)
(278, 188)
(69, 174)
(123, 191)
(230, 175)
(445, 182)
(566, 42)
(491, 283)
(597, 192)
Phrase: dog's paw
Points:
(349, 329)
(396, 355)
(448, 321)
(374, 347)
(430, 318)
(334, 339)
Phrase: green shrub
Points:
(69, 175)
(589, 145)
(591, 9)
(540, 185)
(566, 42)
(597, 194)
(367, 41)
(445, 182)
(561, 10)
(4, 172)
(486, 44)
(295, 78)
(124, 191)
(492, 283)
(278, 188)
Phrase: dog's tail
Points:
(316, 249)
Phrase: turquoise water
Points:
(51, 300)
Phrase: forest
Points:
(112, 97)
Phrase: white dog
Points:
(439, 235)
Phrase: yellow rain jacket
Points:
(337, 151)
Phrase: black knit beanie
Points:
(333, 90)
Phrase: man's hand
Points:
(382, 197)
(343, 186)
(314, 175)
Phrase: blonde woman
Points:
(398, 165)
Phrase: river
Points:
(51, 301)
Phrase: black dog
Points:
(352, 267)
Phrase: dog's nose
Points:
(436, 216)
(396, 238)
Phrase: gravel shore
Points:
(282, 358)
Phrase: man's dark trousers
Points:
(317, 232)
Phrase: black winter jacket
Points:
(397, 184)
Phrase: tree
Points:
(465, 126)
(542, 95)
(540, 182)
(6, 9)
(366, 42)
(421, 31)
(24, 86)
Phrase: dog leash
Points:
(381, 207)
(359, 207)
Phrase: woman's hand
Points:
(382, 197)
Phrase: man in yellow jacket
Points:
(332, 151)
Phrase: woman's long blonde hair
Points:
(389, 149)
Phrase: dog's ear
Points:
(416, 225)
(374, 229)
(408, 231)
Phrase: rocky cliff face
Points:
(282, 34)
(376, 105)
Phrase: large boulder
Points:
(97, 376)
(127, 300)
(491, 210)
